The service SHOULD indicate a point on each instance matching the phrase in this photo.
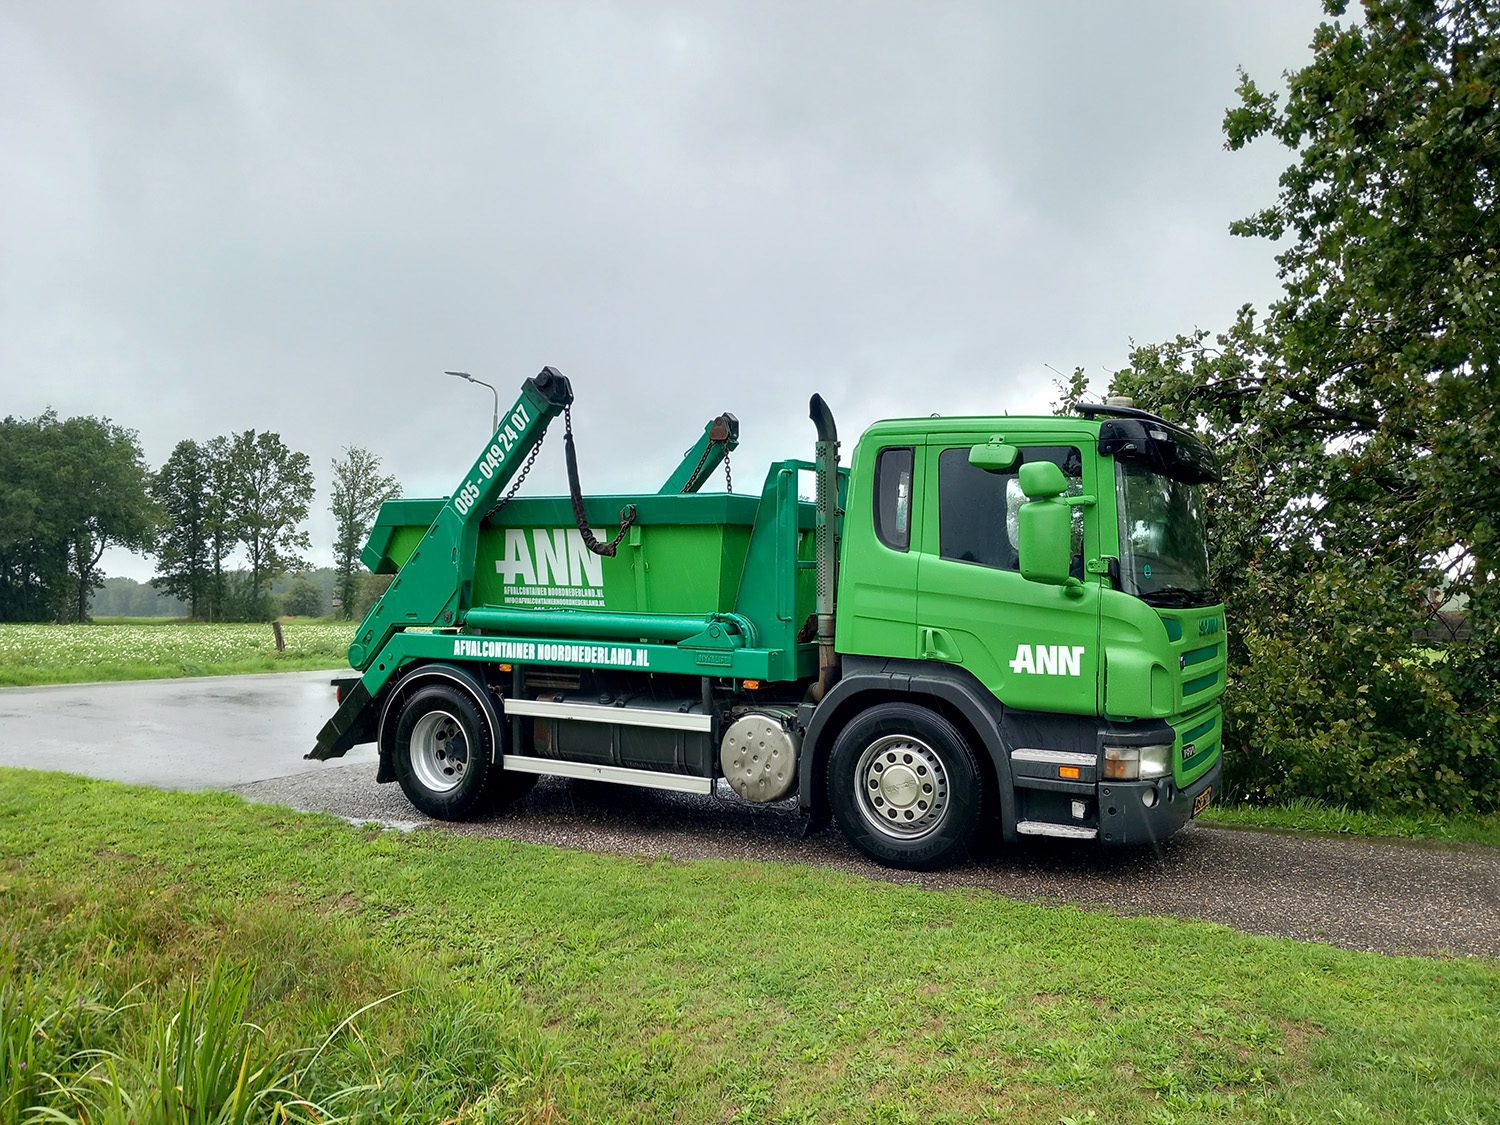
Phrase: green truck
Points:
(995, 626)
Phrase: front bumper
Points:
(1126, 818)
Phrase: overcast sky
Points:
(294, 216)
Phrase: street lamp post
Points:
(495, 417)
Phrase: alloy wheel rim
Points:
(439, 751)
(901, 787)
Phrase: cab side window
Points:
(893, 469)
(977, 509)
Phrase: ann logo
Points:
(550, 567)
(1048, 660)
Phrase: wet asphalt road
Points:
(248, 733)
(208, 733)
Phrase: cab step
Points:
(1067, 831)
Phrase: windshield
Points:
(1163, 547)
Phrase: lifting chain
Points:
(520, 480)
(627, 513)
(719, 435)
(698, 468)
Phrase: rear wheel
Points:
(444, 755)
(905, 786)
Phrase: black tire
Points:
(444, 753)
(905, 787)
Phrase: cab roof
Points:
(968, 424)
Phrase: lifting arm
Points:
(721, 436)
(435, 585)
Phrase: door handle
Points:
(938, 645)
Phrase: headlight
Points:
(1132, 763)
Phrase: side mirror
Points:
(1042, 480)
(996, 457)
(1044, 536)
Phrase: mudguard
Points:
(913, 681)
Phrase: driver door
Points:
(1036, 647)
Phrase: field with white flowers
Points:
(60, 654)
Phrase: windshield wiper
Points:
(1178, 597)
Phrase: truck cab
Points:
(1092, 653)
(996, 627)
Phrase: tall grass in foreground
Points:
(71, 1053)
(68, 1055)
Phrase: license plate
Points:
(1200, 802)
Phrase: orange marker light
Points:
(1069, 771)
(751, 685)
(505, 668)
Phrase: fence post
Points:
(280, 639)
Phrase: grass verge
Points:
(158, 649)
(541, 984)
(1310, 816)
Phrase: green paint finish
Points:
(1201, 655)
(1034, 645)
(1203, 732)
(877, 612)
(777, 584)
(401, 524)
(573, 652)
(435, 583)
(1146, 668)
(720, 437)
(1085, 649)
(1201, 729)
(659, 568)
(684, 555)
(723, 585)
(1199, 684)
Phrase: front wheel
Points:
(905, 786)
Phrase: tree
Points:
(33, 546)
(101, 474)
(1358, 420)
(303, 599)
(220, 531)
(270, 489)
(359, 488)
(181, 489)
(71, 489)
(196, 492)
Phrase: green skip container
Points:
(683, 554)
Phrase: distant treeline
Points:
(125, 597)
(224, 519)
(306, 594)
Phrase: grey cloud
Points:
(296, 216)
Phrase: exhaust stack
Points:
(826, 458)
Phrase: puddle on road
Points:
(396, 825)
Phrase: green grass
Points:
(540, 984)
(1312, 816)
(152, 649)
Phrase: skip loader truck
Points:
(997, 626)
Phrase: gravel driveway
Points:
(1385, 896)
